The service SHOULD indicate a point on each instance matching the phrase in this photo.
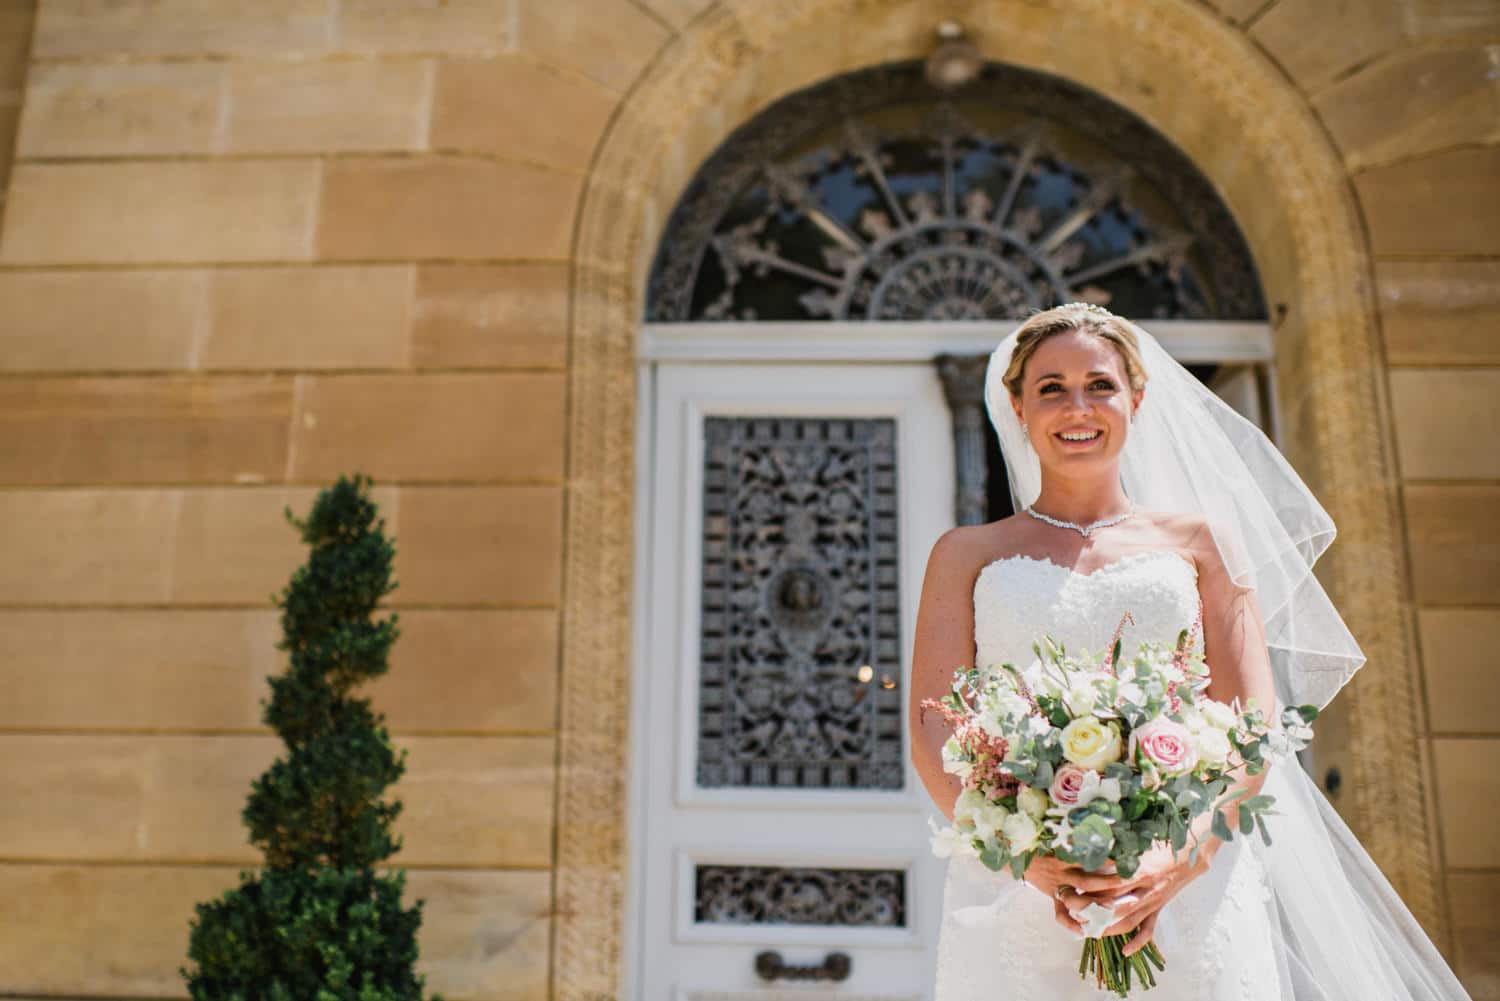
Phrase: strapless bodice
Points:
(1019, 598)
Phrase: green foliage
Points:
(318, 923)
(307, 935)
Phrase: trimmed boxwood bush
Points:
(317, 923)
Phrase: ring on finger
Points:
(1058, 893)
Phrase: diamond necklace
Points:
(1084, 530)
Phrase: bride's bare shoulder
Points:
(965, 549)
(1187, 532)
(1176, 527)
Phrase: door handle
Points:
(835, 967)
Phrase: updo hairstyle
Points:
(1093, 320)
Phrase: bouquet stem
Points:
(1104, 959)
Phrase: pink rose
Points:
(1067, 784)
(1167, 744)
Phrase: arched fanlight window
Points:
(875, 197)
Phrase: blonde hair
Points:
(1085, 318)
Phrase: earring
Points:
(1026, 434)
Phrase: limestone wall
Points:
(248, 247)
(245, 248)
(1410, 93)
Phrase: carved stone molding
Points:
(1250, 131)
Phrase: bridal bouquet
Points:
(1093, 759)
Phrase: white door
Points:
(777, 824)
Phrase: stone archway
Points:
(1245, 127)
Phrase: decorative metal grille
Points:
(763, 895)
(876, 197)
(800, 643)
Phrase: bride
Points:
(1139, 490)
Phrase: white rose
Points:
(1080, 698)
(1217, 714)
(1213, 746)
(1193, 719)
(989, 820)
(968, 803)
(1020, 832)
(1032, 801)
(953, 762)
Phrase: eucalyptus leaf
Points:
(1018, 770)
(1044, 774)
(1177, 833)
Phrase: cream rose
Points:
(1089, 743)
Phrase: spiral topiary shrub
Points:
(317, 923)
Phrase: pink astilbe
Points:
(985, 749)
(988, 753)
(1109, 654)
(1180, 656)
(955, 718)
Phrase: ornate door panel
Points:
(779, 830)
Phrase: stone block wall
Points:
(1410, 94)
(247, 248)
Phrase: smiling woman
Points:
(1086, 381)
(1237, 917)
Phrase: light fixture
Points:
(956, 61)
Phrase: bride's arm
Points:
(944, 641)
(1234, 647)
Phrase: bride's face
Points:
(1075, 384)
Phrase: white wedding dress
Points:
(1310, 919)
(999, 940)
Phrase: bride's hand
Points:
(1048, 874)
(1161, 877)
